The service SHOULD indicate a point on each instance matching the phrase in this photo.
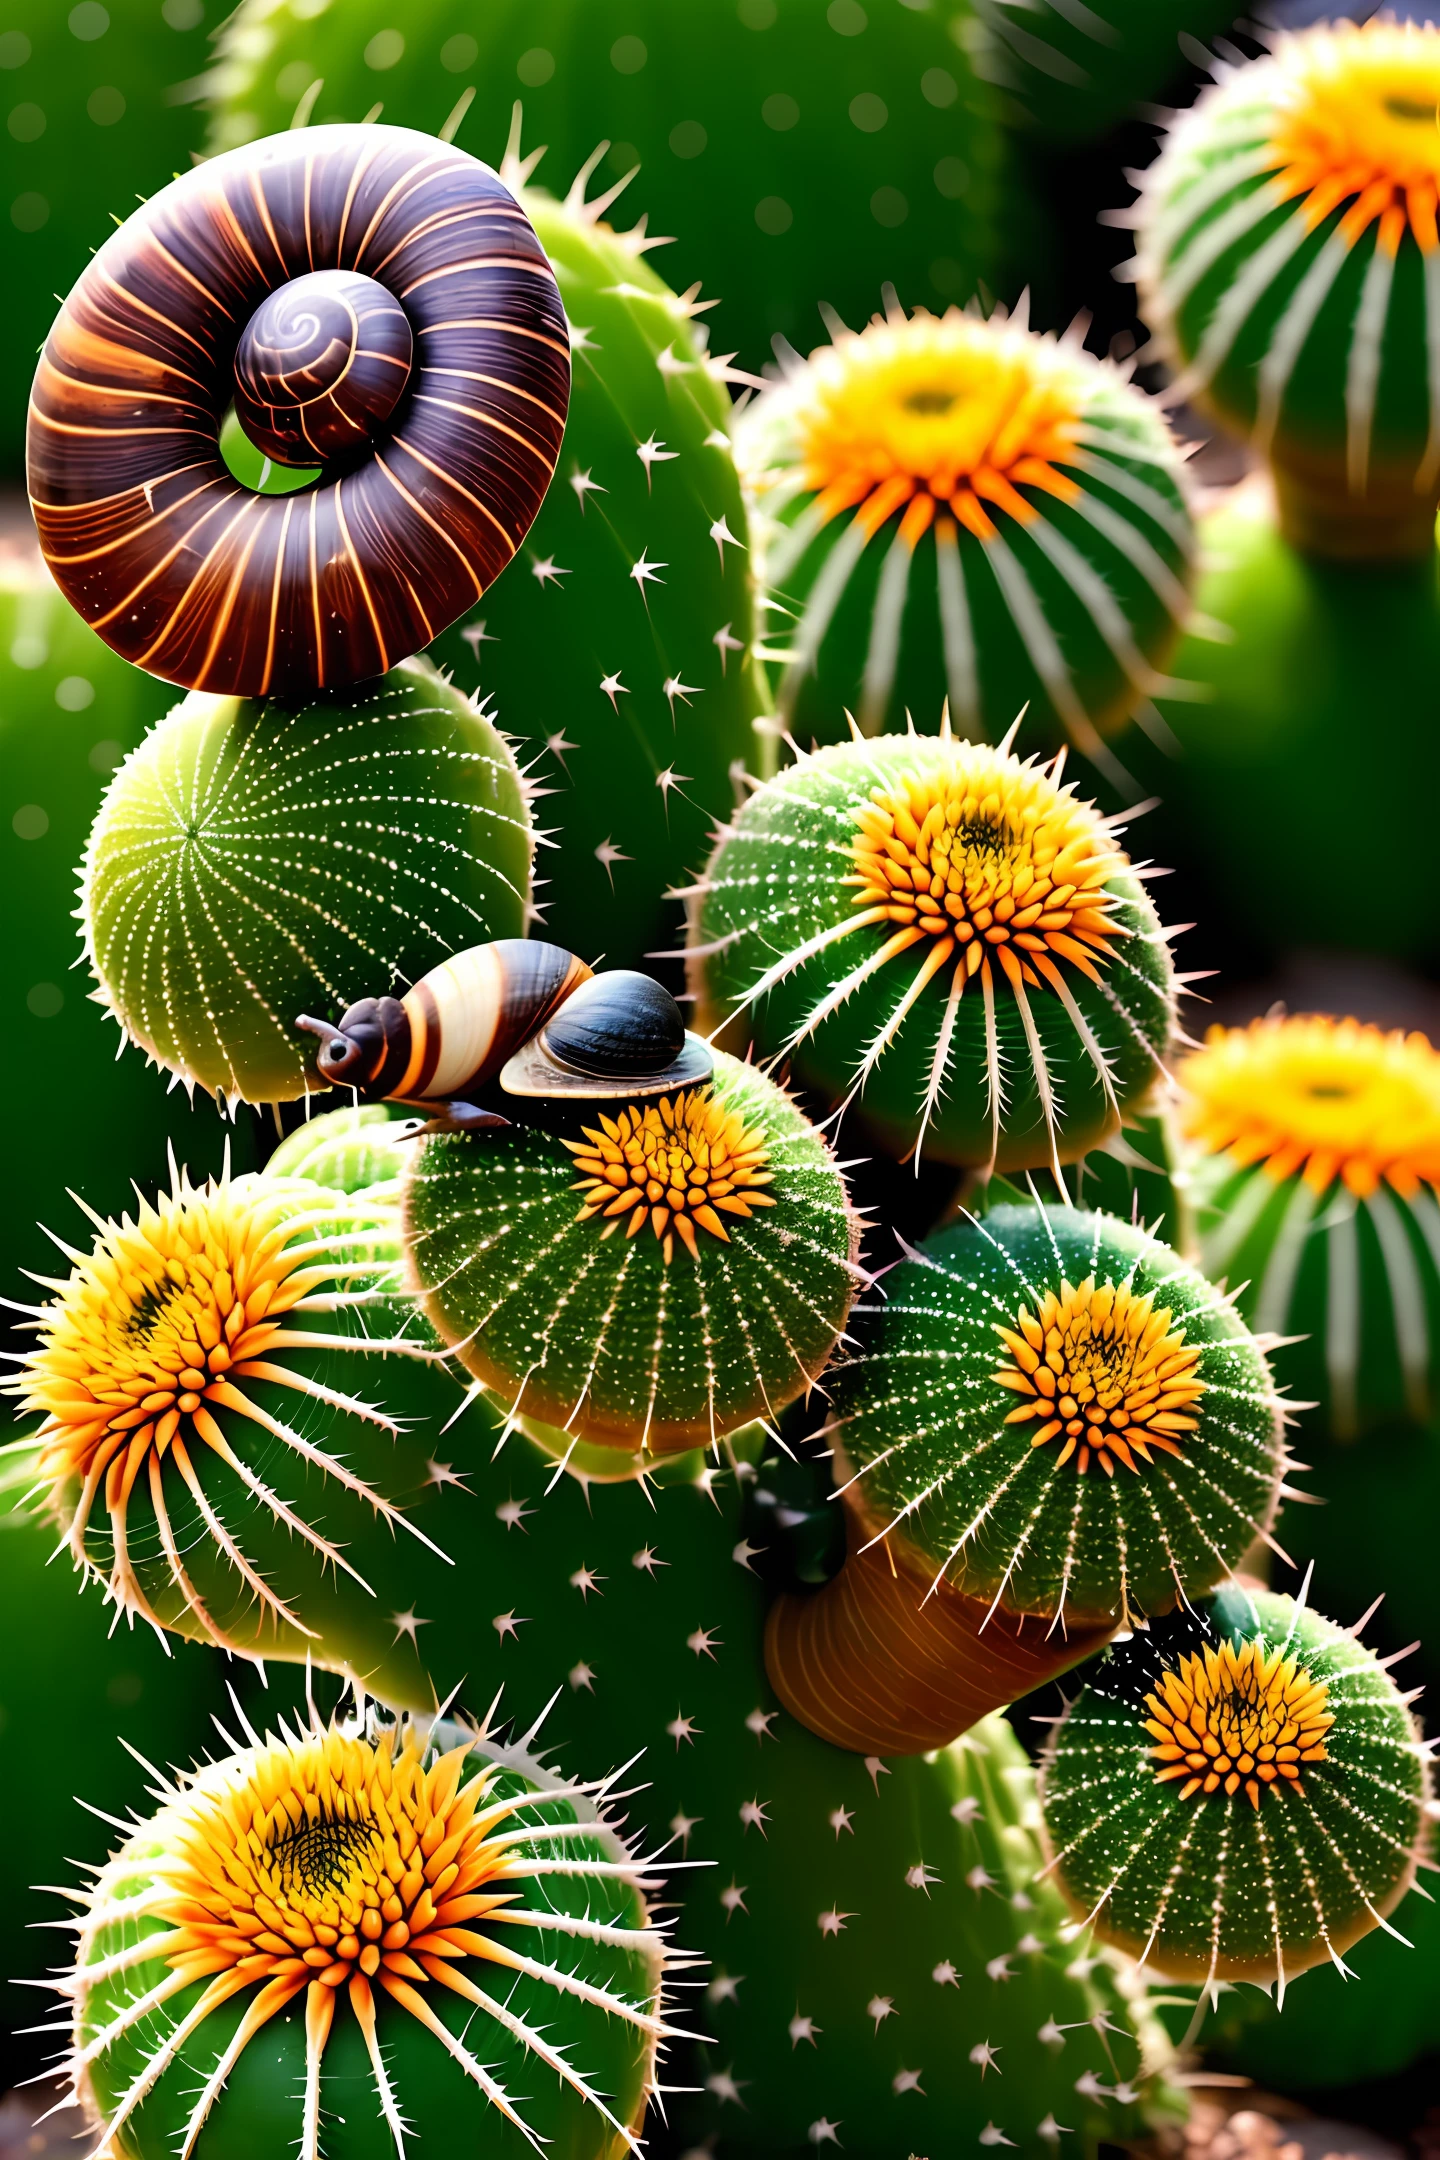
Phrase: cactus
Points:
(1286, 262)
(801, 153)
(69, 710)
(960, 508)
(1073, 72)
(252, 861)
(385, 1874)
(91, 123)
(1318, 1155)
(647, 1274)
(1065, 1027)
(620, 648)
(1050, 1427)
(1269, 757)
(1240, 1794)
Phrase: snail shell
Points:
(619, 1035)
(286, 276)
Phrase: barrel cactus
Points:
(620, 649)
(852, 902)
(1050, 1427)
(1239, 1794)
(69, 711)
(1287, 243)
(799, 153)
(958, 507)
(1072, 72)
(1317, 1147)
(91, 123)
(375, 1876)
(648, 1273)
(252, 860)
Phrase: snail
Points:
(517, 1009)
(368, 298)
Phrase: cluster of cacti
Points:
(679, 1505)
(799, 151)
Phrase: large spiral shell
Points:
(191, 575)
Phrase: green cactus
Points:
(69, 710)
(645, 1274)
(925, 1867)
(952, 860)
(91, 124)
(802, 153)
(620, 649)
(1050, 1427)
(1318, 1157)
(252, 861)
(962, 509)
(1241, 1793)
(358, 1867)
(1074, 72)
(1271, 756)
(1286, 262)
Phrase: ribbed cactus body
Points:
(1287, 257)
(619, 648)
(1240, 1794)
(543, 2030)
(251, 862)
(835, 924)
(69, 710)
(1271, 757)
(91, 125)
(1071, 73)
(603, 1275)
(964, 510)
(799, 154)
(955, 1420)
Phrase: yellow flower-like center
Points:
(682, 1164)
(990, 858)
(1237, 1715)
(1102, 1372)
(1356, 121)
(1331, 1098)
(155, 1338)
(929, 414)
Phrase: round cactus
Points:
(653, 1273)
(91, 124)
(854, 901)
(620, 648)
(451, 1923)
(1318, 1158)
(69, 710)
(197, 1338)
(1051, 1426)
(800, 153)
(1073, 72)
(959, 508)
(1237, 1795)
(1287, 244)
(251, 862)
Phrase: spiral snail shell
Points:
(529, 1013)
(362, 293)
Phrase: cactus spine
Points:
(1240, 1795)
(963, 948)
(251, 862)
(959, 508)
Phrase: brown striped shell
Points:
(190, 574)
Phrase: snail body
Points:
(517, 1009)
(359, 289)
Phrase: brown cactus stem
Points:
(880, 1663)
